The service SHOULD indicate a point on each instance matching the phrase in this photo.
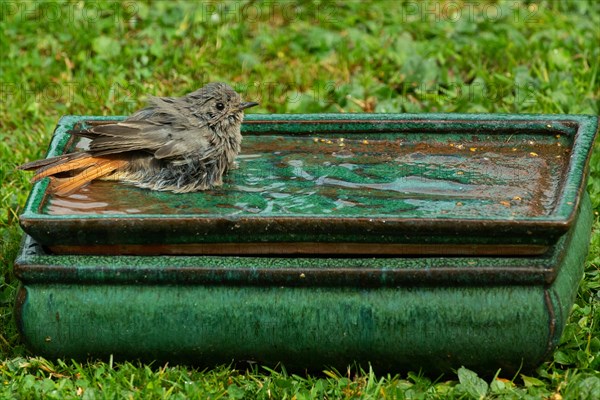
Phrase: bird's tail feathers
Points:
(84, 167)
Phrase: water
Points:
(385, 177)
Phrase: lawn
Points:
(101, 58)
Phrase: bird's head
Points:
(219, 105)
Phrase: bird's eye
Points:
(220, 106)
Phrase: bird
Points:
(177, 144)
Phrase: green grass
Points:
(101, 58)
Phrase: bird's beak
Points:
(248, 104)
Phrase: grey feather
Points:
(180, 144)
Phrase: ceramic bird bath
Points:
(435, 240)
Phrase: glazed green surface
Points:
(100, 306)
(36, 266)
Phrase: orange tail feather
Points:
(90, 168)
(100, 168)
(65, 166)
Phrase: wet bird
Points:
(178, 144)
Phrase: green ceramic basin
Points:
(405, 241)
(362, 184)
(434, 313)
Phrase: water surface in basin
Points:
(383, 175)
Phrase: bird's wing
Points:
(162, 131)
